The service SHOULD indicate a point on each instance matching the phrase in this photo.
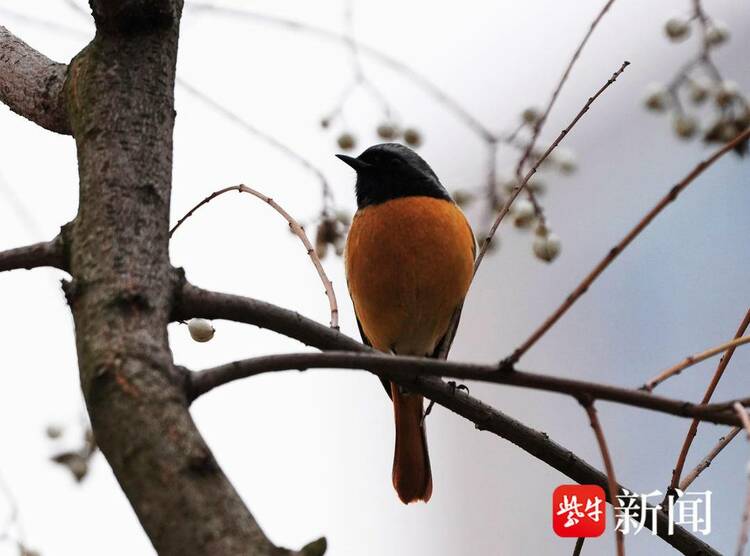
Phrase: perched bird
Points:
(409, 262)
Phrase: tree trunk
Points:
(119, 96)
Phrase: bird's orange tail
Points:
(412, 477)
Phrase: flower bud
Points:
(698, 91)
(531, 115)
(684, 126)
(677, 29)
(566, 160)
(547, 247)
(657, 98)
(726, 93)
(412, 137)
(346, 141)
(201, 330)
(53, 432)
(523, 213)
(717, 34)
(387, 131)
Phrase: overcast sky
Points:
(311, 453)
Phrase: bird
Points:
(409, 261)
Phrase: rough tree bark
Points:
(117, 101)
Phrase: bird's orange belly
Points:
(409, 263)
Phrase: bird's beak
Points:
(355, 163)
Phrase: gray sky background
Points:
(311, 453)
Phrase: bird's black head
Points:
(389, 171)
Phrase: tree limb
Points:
(406, 370)
(31, 84)
(196, 302)
(120, 93)
(46, 253)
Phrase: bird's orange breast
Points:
(409, 264)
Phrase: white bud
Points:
(717, 34)
(684, 126)
(677, 29)
(547, 247)
(53, 432)
(657, 97)
(523, 212)
(201, 330)
(699, 90)
(726, 93)
(566, 160)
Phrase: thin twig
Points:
(196, 302)
(403, 69)
(296, 229)
(266, 137)
(744, 418)
(520, 186)
(539, 123)
(706, 461)
(588, 405)
(742, 413)
(405, 369)
(543, 118)
(691, 360)
(617, 249)
(693, 430)
(745, 525)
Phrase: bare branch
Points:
(194, 302)
(588, 405)
(264, 136)
(693, 430)
(706, 461)
(539, 123)
(617, 249)
(296, 229)
(745, 525)
(411, 74)
(691, 360)
(520, 186)
(405, 369)
(46, 253)
(543, 118)
(31, 84)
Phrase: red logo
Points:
(578, 510)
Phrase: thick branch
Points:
(408, 369)
(135, 16)
(196, 302)
(31, 84)
(120, 92)
(46, 253)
